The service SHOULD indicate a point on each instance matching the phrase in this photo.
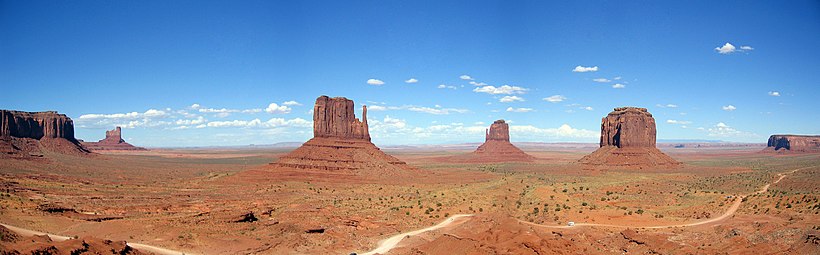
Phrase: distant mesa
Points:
(496, 147)
(31, 134)
(793, 143)
(628, 140)
(112, 141)
(340, 145)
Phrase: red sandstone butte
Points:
(27, 134)
(340, 146)
(497, 146)
(112, 141)
(628, 140)
(793, 143)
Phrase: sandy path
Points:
(138, 246)
(390, 243)
(727, 214)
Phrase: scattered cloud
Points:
(505, 89)
(667, 106)
(291, 103)
(583, 69)
(444, 86)
(678, 122)
(728, 48)
(465, 77)
(555, 98)
(729, 108)
(588, 108)
(274, 108)
(436, 110)
(257, 123)
(774, 93)
(507, 99)
(617, 78)
(722, 130)
(564, 131)
(411, 80)
(601, 80)
(375, 82)
(618, 86)
(511, 109)
(475, 83)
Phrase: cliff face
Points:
(334, 117)
(795, 143)
(628, 140)
(113, 136)
(340, 147)
(26, 134)
(35, 125)
(498, 131)
(628, 127)
(112, 141)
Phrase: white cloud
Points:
(510, 109)
(774, 93)
(602, 80)
(188, 122)
(274, 108)
(678, 122)
(465, 77)
(505, 89)
(583, 69)
(588, 108)
(728, 48)
(411, 80)
(507, 99)
(375, 82)
(474, 83)
(436, 111)
(618, 86)
(555, 98)
(729, 108)
(257, 123)
(292, 103)
(722, 130)
(667, 105)
(444, 86)
(617, 78)
(376, 108)
(564, 131)
(195, 106)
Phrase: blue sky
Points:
(196, 73)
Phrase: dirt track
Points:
(138, 246)
(727, 214)
(391, 242)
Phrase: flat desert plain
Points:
(729, 199)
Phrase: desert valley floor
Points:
(228, 201)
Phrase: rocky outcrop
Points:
(498, 131)
(793, 143)
(628, 127)
(112, 141)
(334, 117)
(340, 146)
(26, 134)
(628, 140)
(496, 148)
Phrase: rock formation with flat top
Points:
(496, 148)
(793, 143)
(340, 146)
(27, 134)
(628, 140)
(112, 141)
